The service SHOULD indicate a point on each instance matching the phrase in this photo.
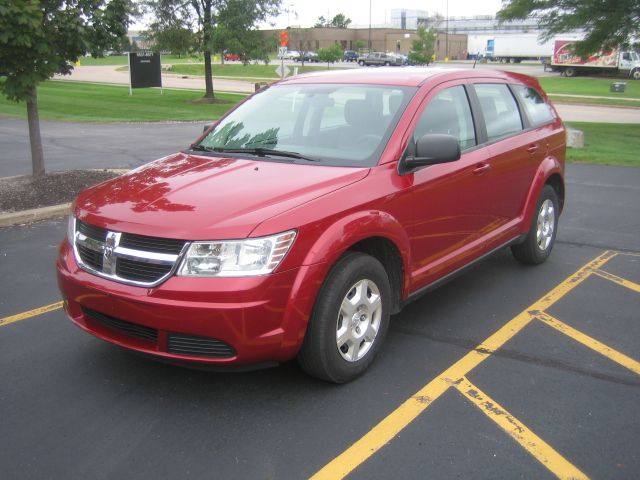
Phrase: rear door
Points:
(515, 150)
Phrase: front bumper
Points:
(218, 321)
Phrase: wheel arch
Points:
(550, 172)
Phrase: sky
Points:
(358, 10)
(305, 13)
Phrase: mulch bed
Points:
(25, 192)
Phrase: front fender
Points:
(321, 255)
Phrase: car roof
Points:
(402, 76)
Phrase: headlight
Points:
(236, 258)
(71, 229)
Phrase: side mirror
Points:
(206, 127)
(431, 149)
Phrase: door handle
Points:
(481, 168)
(533, 148)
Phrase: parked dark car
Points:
(307, 57)
(350, 56)
(297, 224)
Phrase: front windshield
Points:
(343, 125)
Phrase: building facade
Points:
(452, 46)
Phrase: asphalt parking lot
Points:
(506, 372)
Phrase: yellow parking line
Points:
(542, 451)
(31, 313)
(385, 431)
(619, 280)
(592, 343)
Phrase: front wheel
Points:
(349, 321)
(539, 241)
(636, 74)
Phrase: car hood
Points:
(195, 197)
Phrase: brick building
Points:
(382, 40)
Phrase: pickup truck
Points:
(379, 58)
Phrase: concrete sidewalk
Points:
(111, 74)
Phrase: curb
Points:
(34, 215)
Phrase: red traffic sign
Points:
(283, 38)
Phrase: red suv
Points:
(306, 216)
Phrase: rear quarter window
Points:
(537, 109)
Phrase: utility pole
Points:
(446, 35)
(369, 26)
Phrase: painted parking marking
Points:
(532, 443)
(619, 280)
(592, 343)
(385, 431)
(31, 313)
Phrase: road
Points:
(555, 392)
(83, 145)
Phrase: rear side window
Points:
(448, 112)
(537, 109)
(499, 109)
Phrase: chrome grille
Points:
(125, 257)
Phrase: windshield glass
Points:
(343, 125)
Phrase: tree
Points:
(173, 35)
(359, 44)
(422, 48)
(607, 23)
(233, 35)
(340, 21)
(330, 54)
(207, 15)
(40, 38)
(304, 37)
(321, 22)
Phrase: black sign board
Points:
(145, 70)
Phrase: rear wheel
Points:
(349, 321)
(538, 244)
(569, 72)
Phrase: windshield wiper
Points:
(263, 152)
(200, 148)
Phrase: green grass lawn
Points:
(607, 144)
(589, 86)
(86, 102)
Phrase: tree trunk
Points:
(37, 157)
(208, 75)
(206, 41)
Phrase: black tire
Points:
(569, 72)
(319, 355)
(361, 63)
(635, 74)
(530, 252)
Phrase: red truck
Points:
(303, 219)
